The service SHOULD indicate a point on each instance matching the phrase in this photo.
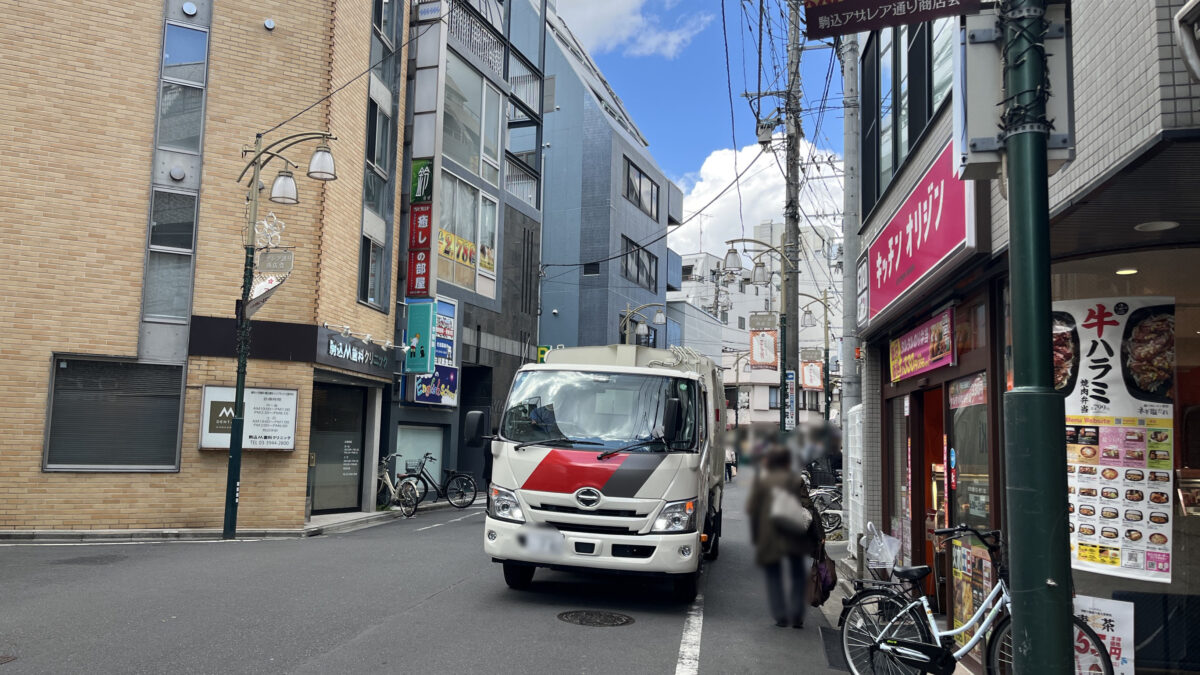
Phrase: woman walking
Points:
(779, 543)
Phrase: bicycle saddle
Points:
(911, 573)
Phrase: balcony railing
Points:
(476, 36)
(520, 183)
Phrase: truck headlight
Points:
(676, 517)
(503, 505)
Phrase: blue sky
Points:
(666, 60)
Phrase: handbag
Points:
(822, 578)
(787, 514)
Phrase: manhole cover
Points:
(592, 618)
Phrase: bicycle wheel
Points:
(407, 500)
(419, 484)
(384, 495)
(460, 490)
(1091, 656)
(831, 521)
(869, 617)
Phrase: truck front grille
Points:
(590, 529)
(632, 551)
(615, 513)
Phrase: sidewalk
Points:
(332, 523)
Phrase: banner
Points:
(456, 248)
(764, 350)
(1114, 359)
(419, 330)
(812, 375)
(928, 347)
(440, 388)
(827, 18)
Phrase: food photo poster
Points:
(1114, 360)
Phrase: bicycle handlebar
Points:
(963, 528)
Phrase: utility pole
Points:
(851, 382)
(825, 301)
(1035, 452)
(791, 210)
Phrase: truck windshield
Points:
(612, 409)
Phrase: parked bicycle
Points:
(886, 630)
(828, 502)
(394, 492)
(459, 488)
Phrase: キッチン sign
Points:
(827, 18)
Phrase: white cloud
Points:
(608, 25)
(763, 190)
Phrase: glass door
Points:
(337, 443)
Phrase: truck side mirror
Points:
(671, 419)
(473, 427)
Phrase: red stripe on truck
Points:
(566, 471)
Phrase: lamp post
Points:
(660, 319)
(283, 191)
(808, 321)
(733, 261)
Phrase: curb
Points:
(204, 533)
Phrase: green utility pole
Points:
(1035, 446)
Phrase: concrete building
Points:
(473, 204)
(1124, 237)
(122, 259)
(609, 202)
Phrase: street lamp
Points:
(761, 277)
(283, 191)
(660, 319)
(808, 321)
(733, 259)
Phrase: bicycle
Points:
(394, 493)
(459, 488)
(886, 631)
(828, 502)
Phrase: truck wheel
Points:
(687, 586)
(714, 546)
(518, 577)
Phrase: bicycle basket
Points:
(412, 465)
(881, 552)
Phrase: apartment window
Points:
(741, 323)
(640, 190)
(370, 272)
(725, 317)
(773, 398)
(687, 272)
(591, 269)
(379, 137)
(180, 117)
(185, 52)
(471, 120)
(108, 415)
(639, 265)
(943, 58)
(887, 148)
(382, 17)
(167, 290)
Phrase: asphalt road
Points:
(409, 596)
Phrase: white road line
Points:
(689, 645)
(430, 527)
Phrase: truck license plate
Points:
(544, 541)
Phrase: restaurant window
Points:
(967, 434)
(467, 235)
(970, 328)
(98, 415)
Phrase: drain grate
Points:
(584, 617)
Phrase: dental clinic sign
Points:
(270, 418)
(933, 231)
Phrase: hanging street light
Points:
(733, 260)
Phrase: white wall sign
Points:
(270, 418)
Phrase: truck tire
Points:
(518, 577)
(687, 586)
(714, 544)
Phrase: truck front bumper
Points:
(638, 554)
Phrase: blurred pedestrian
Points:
(777, 543)
(730, 463)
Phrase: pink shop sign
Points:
(935, 223)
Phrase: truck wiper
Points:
(636, 444)
(548, 441)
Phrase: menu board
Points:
(971, 581)
(1114, 358)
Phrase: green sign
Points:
(542, 351)
(422, 181)
(419, 355)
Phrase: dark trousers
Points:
(791, 609)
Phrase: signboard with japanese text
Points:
(763, 320)
(422, 181)
(352, 353)
(420, 273)
(456, 248)
(812, 375)
(789, 416)
(1113, 622)
(971, 581)
(929, 346)
(1114, 360)
(445, 332)
(439, 388)
(764, 350)
(420, 227)
(419, 332)
(270, 418)
(935, 222)
(827, 18)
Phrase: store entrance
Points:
(929, 489)
(336, 444)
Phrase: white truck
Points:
(608, 459)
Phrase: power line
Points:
(732, 118)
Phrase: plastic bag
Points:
(881, 549)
